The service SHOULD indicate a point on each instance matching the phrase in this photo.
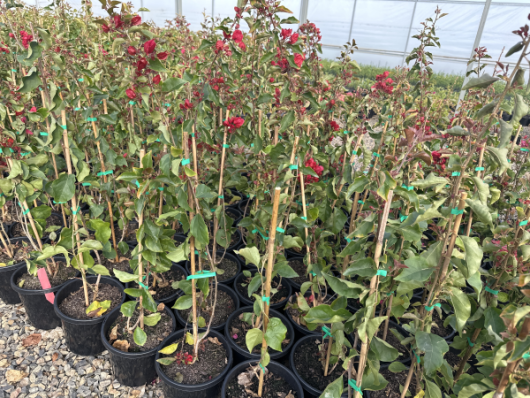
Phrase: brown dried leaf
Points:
(31, 340)
(214, 340)
(160, 307)
(424, 156)
(113, 334)
(409, 133)
(245, 379)
(290, 395)
(122, 345)
(93, 314)
(526, 292)
(55, 356)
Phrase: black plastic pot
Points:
(233, 212)
(83, 337)
(7, 228)
(276, 368)
(7, 294)
(245, 300)
(39, 310)
(310, 391)
(131, 368)
(169, 300)
(182, 321)
(244, 206)
(221, 253)
(172, 389)
(242, 354)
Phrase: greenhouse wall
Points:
(382, 29)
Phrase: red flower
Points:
(186, 105)
(130, 93)
(26, 38)
(316, 168)
(156, 79)
(118, 23)
(286, 33)
(11, 35)
(142, 63)
(137, 20)
(219, 46)
(294, 38)
(271, 79)
(242, 46)
(57, 49)
(233, 123)
(299, 59)
(149, 46)
(33, 109)
(131, 50)
(105, 28)
(162, 56)
(334, 125)
(237, 36)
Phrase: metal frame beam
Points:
(410, 31)
(352, 18)
(178, 7)
(304, 6)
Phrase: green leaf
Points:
(473, 254)
(124, 277)
(166, 361)
(506, 133)
(30, 82)
(139, 336)
(170, 349)
(264, 99)
(397, 367)
(127, 309)
(63, 188)
(481, 211)
(334, 389)
(148, 301)
(373, 381)
(253, 338)
(156, 65)
(434, 347)
(364, 267)
(153, 319)
(430, 181)
(102, 229)
(462, 307)
(344, 287)
(199, 230)
(250, 254)
(287, 121)
(293, 241)
(480, 82)
(275, 333)
(483, 189)
(172, 84)
(100, 270)
(183, 303)
(419, 270)
(432, 390)
(325, 314)
(515, 48)
(383, 351)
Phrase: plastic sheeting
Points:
(382, 29)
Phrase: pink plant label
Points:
(45, 283)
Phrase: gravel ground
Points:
(48, 369)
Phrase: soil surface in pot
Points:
(238, 330)
(395, 380)
(11, 213)
(299, 267)
(164, 290)
(281, 290)
(394, 342)
(32, 282)
(53, 220)
(454, 360)
(130, 232)
(228, 266)
(212, 361)
(234, 238)
(225, 306)
(74, 305)
(273, 386)
(307, 363)
(119, 336)
(20, 251)
(121, 265)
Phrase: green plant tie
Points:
(58, 203)
(456, 212)
(266, 191)
(522, 223)
(353, 384)
(132, 102)
(201, 275)
(354, 152)
(299, 203)
(77, 109)
(280, 230)
(360, 202)
(142, 285)
(137, 183)
(365, 172)
(312, 273)
(345, 131)
(479, 168)
(266, 299)
(408, 188)
(168, 105)
(252, 145)
(75, 211)
(469, 342)
(293, 167)
(185, 162)
(376, 154)
(221, 196)
(192, 135)
(381, 272)
(348, 240)
(25, 212)
(160, 188)
(304, 218)
(262, 368)
(157, 140)
(402, 217)
(390, 293)
(432, 306)
(42, 133)
(263, 236)
(489, 290)
(25, 153)
(13, 70)
(525, 150)
(104, 173)
(526, 356)
(327, 332)
(226, 146)
(86, 184)
(456, 174)
(417, 356)
(92, 119)
(63, 127)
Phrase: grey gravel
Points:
(69, 375)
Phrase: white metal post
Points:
(303, 11)
(178, 7)
(410, 31)
(352, 18)
(476, 44)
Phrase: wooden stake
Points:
(268, 278)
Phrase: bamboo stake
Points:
(268, 278)
(304, 210)
(74, 206)
(408, 380)
(6, 245)
(328, 355)
(259, 133)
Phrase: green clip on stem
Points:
(75, 211)
(280, 230)
(354, 152)
(360, 202)
(293, 167)
(104, 173)
(490, 290)
(402, 217)
(469, 342)
(327, 332)
(525, 150)
(381, 272)
(226, 146)
(201, 275)
(353, 384)
(456, 212)
(432, 306)
(523, 223)
(417, 356)
(185, 162)
(479, 168)
(86, 184)
(456, 174)
(266, 299)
